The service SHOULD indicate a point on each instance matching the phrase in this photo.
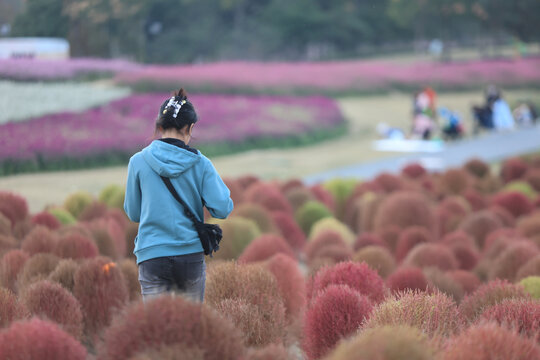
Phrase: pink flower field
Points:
(127, 125)
(337, 77)
(410, 266)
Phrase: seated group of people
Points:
(495, 114)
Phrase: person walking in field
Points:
(169, 253)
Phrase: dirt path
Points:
(355, 147)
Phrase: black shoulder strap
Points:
(187, 211)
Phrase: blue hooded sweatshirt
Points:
(164, 230)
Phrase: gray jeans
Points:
(183, 274)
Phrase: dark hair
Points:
(185, 116)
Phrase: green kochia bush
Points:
(310, 213)
(171, 322)
(532, 286)
(249, 295)
(62, 215)
(77, 202)
(113, 196)
(435, 314)
(386, 343)
(238, 232)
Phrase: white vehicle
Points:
(34, 48)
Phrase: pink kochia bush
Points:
(100, 287)
(264, 247)
(53, 302)
(10, 308)
(171, 321)
(10, 265)
(76, 246)
(520, 315)
(357, 276)
(39, 240)
(39, 339)
(490, 341)
(488, 295)
(290, 282)
(336, 313)
(407, 278)
(404, 209)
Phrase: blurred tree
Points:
(119, 21)
(41, 18)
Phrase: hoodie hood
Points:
(169, 160)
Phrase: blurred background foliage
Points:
(172, 31)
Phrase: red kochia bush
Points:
(290, 282)
(358, 276)
(168, 321)
(45, 218)
(100, 287)
(513, 169)
(426, 255)
(466, 255)
(450, 212)
(407, 278)
(335, 313)
(55, 303)
(10, 308)
(515, 202)
(324, 239)
(477, 167)
(508, 263)
(13, 206)
(368, 239)
(292, 233)
(324, 196)
(520, 315)
(488, 295)
(39, 339)
(413, 171)
(479, 225)
(270, 352)
(267, 195)
(404, 209)
(39, 240)
(11, 264)
(409, 238)
(468, 281)
(389, 183)
(76, 246)
(490, 341)
(264, 247)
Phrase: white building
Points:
(38, 48)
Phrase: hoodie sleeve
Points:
(132, 200)
(215, 194)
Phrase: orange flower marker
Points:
(107, 267)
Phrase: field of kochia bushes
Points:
(410, 266)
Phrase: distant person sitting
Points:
(423, 114)
(525, 114)
(385, 131)
(495, 114)
(452, 126)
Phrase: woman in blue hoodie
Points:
(169, 253)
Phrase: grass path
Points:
(353, 148)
